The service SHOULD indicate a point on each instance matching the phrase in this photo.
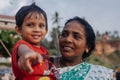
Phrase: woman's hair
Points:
(89, 33)
(25, 10)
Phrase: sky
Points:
(103, 15)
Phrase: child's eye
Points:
(41, 25)
(30, 24)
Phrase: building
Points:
(7, 22)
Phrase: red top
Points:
(38, 68)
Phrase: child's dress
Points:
(44, 71)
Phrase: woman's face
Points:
(72, 42)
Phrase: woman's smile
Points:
(66, 48)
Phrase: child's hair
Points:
(25, 10)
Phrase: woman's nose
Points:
(69, 38)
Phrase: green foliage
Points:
(8, 38)
(109, 61)
(53, 52)
(97, 60)
(45, 43)
(6, 64)
(54, 36)
(114, 58)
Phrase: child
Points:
(28, 56)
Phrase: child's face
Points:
(33, 28)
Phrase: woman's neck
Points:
(71, 62)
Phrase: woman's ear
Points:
(87, 50)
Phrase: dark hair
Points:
(25, 10)
(89, 32)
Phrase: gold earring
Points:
(87, 50)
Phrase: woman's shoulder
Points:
(100, 72)
(100, 67)
(97, 68)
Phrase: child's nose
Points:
(36, 28)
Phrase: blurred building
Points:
(7, 22)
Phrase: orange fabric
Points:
(38, 68)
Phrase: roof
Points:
(7, 22)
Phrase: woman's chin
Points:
(67, 55)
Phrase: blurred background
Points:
(103, 15)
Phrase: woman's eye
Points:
(64, 34)
(76, 36)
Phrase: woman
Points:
(76, 42)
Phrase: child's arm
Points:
(27, 58)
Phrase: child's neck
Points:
(37, 46)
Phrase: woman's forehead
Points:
(74, 26)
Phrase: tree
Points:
(55, 32)
(116, 34)
(8, 38)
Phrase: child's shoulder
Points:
(20, 42)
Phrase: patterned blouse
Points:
(86, 71)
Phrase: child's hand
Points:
(27, 59)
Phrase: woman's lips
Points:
(66, 48)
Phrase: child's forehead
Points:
(35, 15)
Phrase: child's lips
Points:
(36, 36)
